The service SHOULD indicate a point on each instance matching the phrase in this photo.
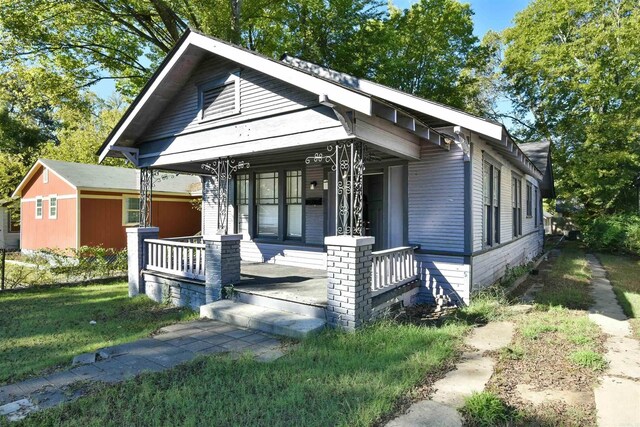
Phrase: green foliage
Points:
(588, 359)
(86, 263)
(614, 233)
(485, 306)
(487, 409)
(571, 66)
(512, 352)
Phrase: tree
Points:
(572, 68)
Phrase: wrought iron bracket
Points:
(222, 171)
(146, 196)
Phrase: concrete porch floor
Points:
(304, 285)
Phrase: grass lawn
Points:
(335, 378)
(42, 328)
(624, 273)
(568, 283)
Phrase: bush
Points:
(615, 233)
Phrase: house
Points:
(9, 227)
(68, 205)
(373, 197)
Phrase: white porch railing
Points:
(185, 239)
(184, 259)
(392, 268)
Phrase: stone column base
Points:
(222, 260)
(137, 256)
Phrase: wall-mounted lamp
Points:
(313, 184)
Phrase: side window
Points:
(242, 202)
(516, 205)
(38, 207)
(530, 200)
(14, 221)
(491, 201)
(53, 206)
(130, 210)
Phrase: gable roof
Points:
(109, 178)
(329, 85)
(540, 154)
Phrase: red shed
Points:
(68, 205)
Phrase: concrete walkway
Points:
(471, 375)
(618, 394)
(174, 345)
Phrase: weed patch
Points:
(588, 359)
(486, 409)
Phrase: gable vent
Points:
(221, 98)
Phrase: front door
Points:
(373, 208)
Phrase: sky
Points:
(488, 15)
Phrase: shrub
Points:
(614, 233)
(487, 409)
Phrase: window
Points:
(220, 98)
(131, 211)
(267, 204)
(529, 200)
(536, 202)
(293, 201)
(53, 207)
(38, 207)
(45, 176)
(14, 221)
(242, 202)
(516, 205)
(491, 200)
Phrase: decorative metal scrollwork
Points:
(146, 196)
(222, 171)
(347, 161)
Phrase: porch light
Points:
(313, 184)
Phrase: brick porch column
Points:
(222, 261)
(137, 257)
(349, 280)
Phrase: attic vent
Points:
(220, 98)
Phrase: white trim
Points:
(32, 171)
(55, 215)
(45, 175)
(131, 191)
(349, 98)
(77, 222)
(39, 198)
(62, 197)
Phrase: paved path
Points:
(174, 345)
(618, 394)
(471, 375)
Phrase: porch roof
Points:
(415, 114)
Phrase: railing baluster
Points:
(392, 267)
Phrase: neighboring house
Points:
(9, 227)
(440, 190)
(68, 205)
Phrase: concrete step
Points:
(297, 307)
(277, 322)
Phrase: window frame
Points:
(55, 215)
(11, 226)
(491, 212)
(536, 208)
(234, 78)
(126, 210)
(516, 205)
(530, 200)
(41, 200)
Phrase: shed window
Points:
(14, 221)
(529, 200)
(516, 205)
(220, 98)
(294, 204)
(131, 211)
(53, 207)
(491, 201)
(38, 207)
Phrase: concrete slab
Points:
(623, 355)
(17, 410)
(492, 336)
(617, 402)
(428, 413)
(471, 375)
(538, 397)
(84, 359)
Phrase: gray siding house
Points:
(389, 197)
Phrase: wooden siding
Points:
(7, 240)
(45, 233)
(506, 219)
(297, 256)
(436, 199)
(37, 187)
(314, 214)
(443, 275)
(491, 265)
(101, 220)
(209, 207)
(260, 95)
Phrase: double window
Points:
(277, 212)
(39, 208)
(491, 201)
(516, 205)
(53, 207)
